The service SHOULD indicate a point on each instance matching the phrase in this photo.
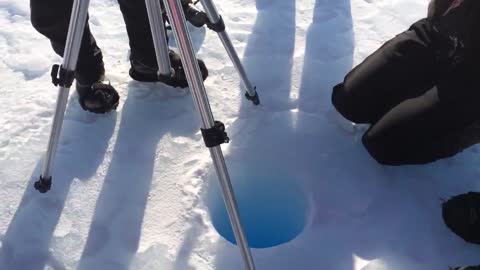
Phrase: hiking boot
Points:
(177, 78)
(461, 214)
(196, 17)
(193, 15)
(97, 96)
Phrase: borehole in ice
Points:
(273, 207)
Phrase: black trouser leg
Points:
(394, 90)
(420, 130)
(51, 18)
(139, 32)
(402, 68)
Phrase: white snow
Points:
(135, 189)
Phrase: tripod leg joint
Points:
(62, 77)
(215, 135)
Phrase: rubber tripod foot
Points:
(255, 99)
(43, 185)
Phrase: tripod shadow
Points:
(116, 227)
(268, 57)
(81, 150)
(187, 247)
(328, 54)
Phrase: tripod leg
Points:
(216, 24)
(62, 76)
(213, 131)
(157, 26)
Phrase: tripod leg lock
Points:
(43, 185)
(215, 135)
(62, 77)
(218, 26)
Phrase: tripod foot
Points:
(43, 185)
(255, 99)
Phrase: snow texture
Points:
(135, 189)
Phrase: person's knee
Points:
(382, 151)
(36, 20)
(49, 17)
(39, 17)
(347, 105)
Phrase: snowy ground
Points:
(134, 189)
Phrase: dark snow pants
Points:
(51, 18)
(420, 104)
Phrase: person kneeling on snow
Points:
(51, 18)
(419, 92)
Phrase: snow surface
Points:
(135, 189)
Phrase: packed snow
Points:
(135, 189)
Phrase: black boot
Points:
(95, 94)
(196, 17)
(177, 78)
(461, 214)
(467, 268)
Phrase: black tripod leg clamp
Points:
(62, 77)
(43, 185)
(215, 135)
(218, 26)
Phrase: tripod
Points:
(213, 132)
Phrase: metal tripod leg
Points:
(159, 36)
(192, 71)
(63, 76)
(217, 25)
